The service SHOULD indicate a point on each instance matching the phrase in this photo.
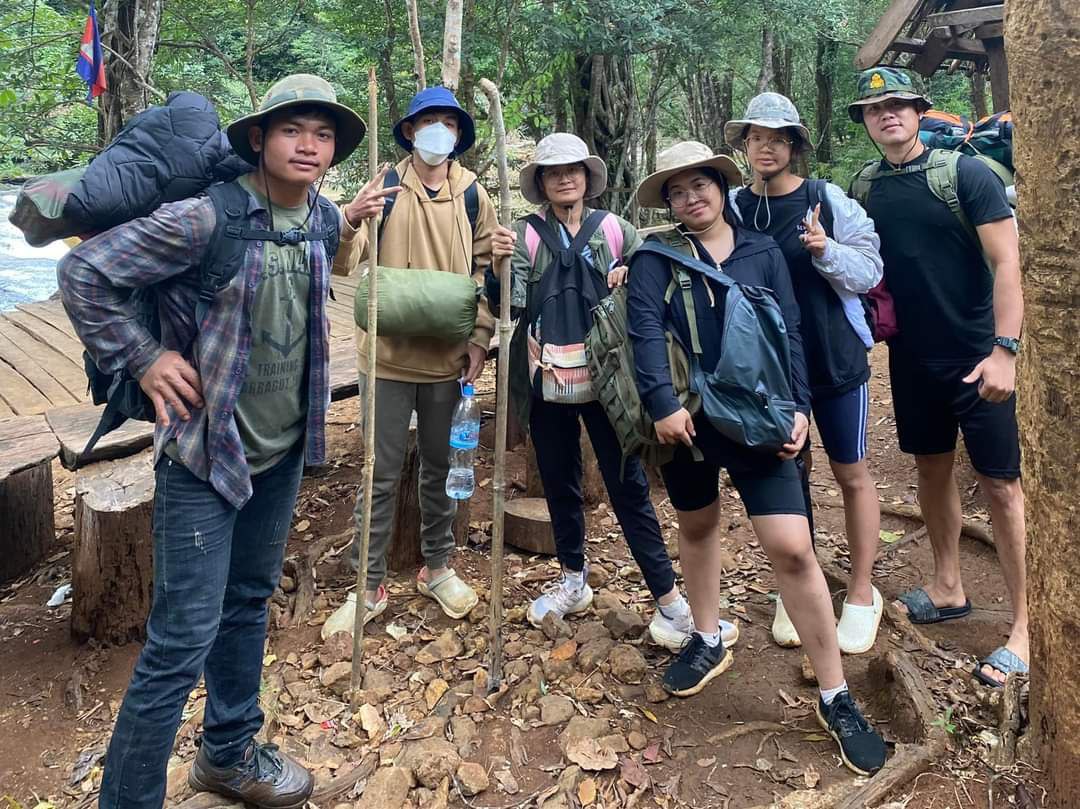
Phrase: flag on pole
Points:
(91, 64)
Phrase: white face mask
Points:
(434, 143)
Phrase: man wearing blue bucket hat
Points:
(436, 216)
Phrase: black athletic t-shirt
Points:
(835, 355)
(944, 291)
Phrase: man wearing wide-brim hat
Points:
(435, 215)
(240, 384)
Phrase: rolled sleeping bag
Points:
(420, 303)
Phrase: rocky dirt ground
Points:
(580, 720)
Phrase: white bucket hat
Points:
(689, 154)
(770, 110)
(562, 149)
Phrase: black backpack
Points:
(559, 315)
(471, 195)
(120, 391)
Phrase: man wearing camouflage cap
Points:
(956, 286)
(240, 384)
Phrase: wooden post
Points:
(502, 393)
(999, 73)
(27, 447)
(112, 564)
(369, 395)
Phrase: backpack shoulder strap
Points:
(859, 189)
(585, 232)
(472, 205)
(688, 262)
(943, 177)
(532, 241)
(225, 251)
(330, 219)
(389, 181)
(818, 191)
(545, 232)
(613, 235)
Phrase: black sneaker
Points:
(861, 747)
(695, 665)
(266, 778)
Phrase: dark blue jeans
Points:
(214, 570)
(556, 435)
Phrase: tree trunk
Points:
(824, 59)
(130, 32)
(417, 45)
(978, 93)
(112, 563)
(27, 447)
(386, 65)
(766, 75)
(451, 59)
(528, 525)
(1044, 49)
(783, 67)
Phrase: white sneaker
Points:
(561, 598)
(672, 633)
(783, 631)
(344, 617)
(858, 625)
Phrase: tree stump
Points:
(404, 553)
(528, 525)
(27, 447)
(112, 568)
(593, 490)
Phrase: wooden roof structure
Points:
(922, 35)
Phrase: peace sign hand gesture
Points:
(369, 200)
(813, 236)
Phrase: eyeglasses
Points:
(562, 172)
(698, 190)
(760, 142)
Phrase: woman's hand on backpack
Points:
(676, 428)
(370, 199)
(616, 277)
(799, 431)
(813, 237)
(502, 242)
(170, 381)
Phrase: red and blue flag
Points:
(91, 63)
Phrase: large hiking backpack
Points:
(747, 396)
(990, 137)
(559, 315)
(942, 175)
(120, 392)
(878, 306)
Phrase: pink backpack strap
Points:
(532, 242)
(613, 235)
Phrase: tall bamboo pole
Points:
(502, 393)
(369, 393)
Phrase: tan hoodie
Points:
(426, 233)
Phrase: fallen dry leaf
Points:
(589, 755)
(811, 777)
(706, 762)
(651, 754)
(586, 792)
(631, 771)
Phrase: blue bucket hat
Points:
(437, 98)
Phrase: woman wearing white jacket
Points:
(832, 252)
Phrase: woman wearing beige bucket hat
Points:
(566, 246)
(692, 183)
(832, 252)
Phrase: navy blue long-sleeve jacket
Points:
(756, 260)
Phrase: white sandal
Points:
(783, 631)
(452, 594)
(858, 625)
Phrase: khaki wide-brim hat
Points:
(689, 154)
(562, 149)
(293, 91)
(768, 110)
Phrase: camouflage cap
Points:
(300, 89)
(879, 83)
(769, 110)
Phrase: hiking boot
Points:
(695, 666)
(672, 633)
(343, 618)
(562, 598)
(783, 631)
(266, 778)
(861, 747)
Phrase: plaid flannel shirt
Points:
(165, 249)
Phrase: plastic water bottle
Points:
(464, 438)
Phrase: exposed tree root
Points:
(969, 528)
(208, 800)
(735, 731)
(344, 781)
(305, 572)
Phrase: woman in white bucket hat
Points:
(832, 252)
(559, 179)
(692, 183)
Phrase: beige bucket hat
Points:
(296, 90)
(689, 154)
(562, 149)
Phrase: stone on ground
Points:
(472, 777)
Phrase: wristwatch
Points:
(1010, 344)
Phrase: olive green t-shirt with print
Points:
(271, 412)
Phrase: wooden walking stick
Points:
(369, 393)
(502, 394)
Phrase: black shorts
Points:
(766, 484)
(931, 401)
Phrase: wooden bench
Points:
(27, 447)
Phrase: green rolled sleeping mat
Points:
(420, 303)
